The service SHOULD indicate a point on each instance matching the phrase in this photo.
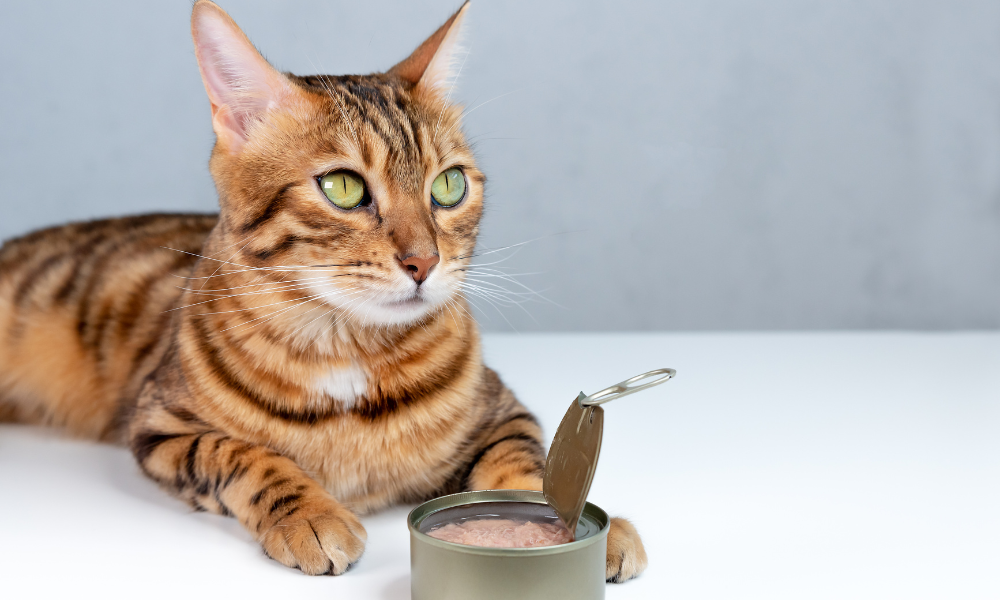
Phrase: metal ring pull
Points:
(629, 386)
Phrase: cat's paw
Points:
(626, 555)
(318, 537)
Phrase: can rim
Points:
(452, 500)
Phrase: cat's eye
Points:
(448, 188)
(343, 188)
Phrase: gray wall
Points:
(719, 164)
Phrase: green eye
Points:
(343, 188)
(448, 188)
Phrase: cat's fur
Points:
(278, 362)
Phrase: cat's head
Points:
(361, 188)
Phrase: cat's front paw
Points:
(318, 537)
(626, 555)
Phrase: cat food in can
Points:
(498, 525)
(504, 544)
(502, 533)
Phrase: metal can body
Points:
(442, 570)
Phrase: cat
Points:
(305, 356)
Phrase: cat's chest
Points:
(373, 462)
(342, 385)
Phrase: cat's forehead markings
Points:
(392, 132)
(380, 110)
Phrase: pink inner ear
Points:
(240, 83)
(430, 65)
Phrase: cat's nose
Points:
(419, 267)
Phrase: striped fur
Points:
(275, 362)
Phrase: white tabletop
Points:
(773, 466)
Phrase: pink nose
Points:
(419, 267)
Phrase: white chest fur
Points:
(345, 385)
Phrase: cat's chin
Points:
(398, 312)
(397, 308)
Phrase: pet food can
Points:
(441, 570)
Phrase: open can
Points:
(441, 570)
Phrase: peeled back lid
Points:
(572, 461)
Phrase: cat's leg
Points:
(297, 522)
(8, 413)
(511, 456)
(626, 554)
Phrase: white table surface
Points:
(773, 466)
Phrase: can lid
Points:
(572, 460)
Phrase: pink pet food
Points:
(502, 533)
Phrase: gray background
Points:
(719, 164)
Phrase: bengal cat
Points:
(306, 355)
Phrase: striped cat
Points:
(306, 355)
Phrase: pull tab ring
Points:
(629, 386)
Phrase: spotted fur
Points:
(277, 362)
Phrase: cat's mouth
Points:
(398, 311)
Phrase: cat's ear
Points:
(241, 85)
(433, 64)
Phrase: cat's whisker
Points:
(474, 281)
(523, 309)
(466, 113)
(494, 297)
(248, 285)
(340, 106)
(301, 327)
(469, 299)
(222, 297)
(514, 251)
(223, 274)
(237, 253)
(277, 313)
(287, 337)
(266, 318)
(499, 281)
(333, 265)
(274, 285)
(474, 140)
(482, 268)
(277, 288)
(261, 271)
(279, 268)
(244, 309)
(501, 296)
(529, 294)
(495, 307)
(475, 254)
(459, 306)
(447, 306)
(487, 279)
(326, 85)
(353, 293)
(352, 312)
(293, 288)
(510, 277)
(486, 294)
(454, 303)
(270, 316)
(364, 318)
(447, 98)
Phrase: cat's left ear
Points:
(432, 65)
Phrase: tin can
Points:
(441, 570)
